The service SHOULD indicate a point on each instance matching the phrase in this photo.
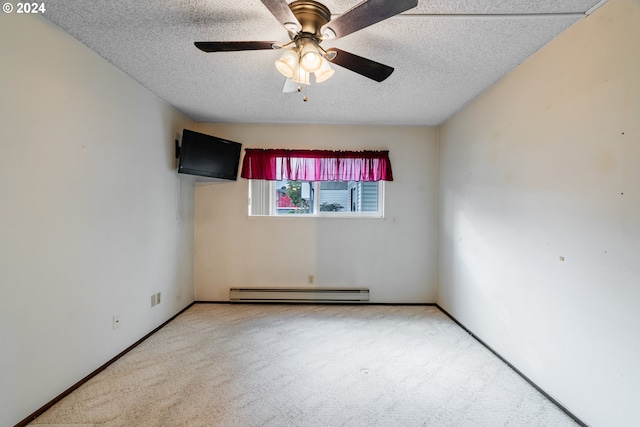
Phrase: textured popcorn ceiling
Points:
(444, 53)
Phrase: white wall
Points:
(546, 164)
(93, 217)
(394, 257)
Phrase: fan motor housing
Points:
(311, 15)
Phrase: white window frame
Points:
(269, 203)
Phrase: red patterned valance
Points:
(316, 165)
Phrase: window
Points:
(318, 198)
(316, 182)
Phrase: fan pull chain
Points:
(304, 98)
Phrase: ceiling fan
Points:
(309, 23)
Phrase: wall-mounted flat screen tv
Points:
(209, 156)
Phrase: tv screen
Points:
(210, 156)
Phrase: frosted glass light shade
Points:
(300, 76)
(288, 63)
(310, 58)
(325, 72)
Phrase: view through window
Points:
(321, 198)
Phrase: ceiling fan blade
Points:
(281, 10)
(233, 46)
(290, 86)
(363, 66)
(364, 14)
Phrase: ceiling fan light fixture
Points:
(325, 72)
(309, 22)
(301, 76)
(310, 57)
(288, 63)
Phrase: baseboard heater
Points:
(310, 295)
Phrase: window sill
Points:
(321, 216)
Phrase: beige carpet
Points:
(307, 365)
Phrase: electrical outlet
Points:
(158, 298)
(116, 321)
(311, 279)
(153, 300)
